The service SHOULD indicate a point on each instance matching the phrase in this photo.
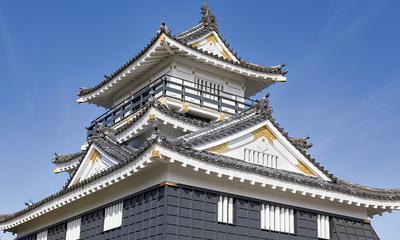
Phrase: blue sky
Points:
(342, 90)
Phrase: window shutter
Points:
(225, 209)
(113, 216)
(323, 226)
(73, 229)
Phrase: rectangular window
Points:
(73, 229)
(323, 226)
(113, 216)
(42, 235)
(276, 218)
(225, 209)
(260, 158)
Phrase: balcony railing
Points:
(176, 88)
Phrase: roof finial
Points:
(164, 28)
(208, 18)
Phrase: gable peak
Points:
(208, 18)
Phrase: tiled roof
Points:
(254, 115)
(199, 30)
(180, 116)
(3, 217)
(183, 148)
(64, 158)
(338, 185)
(106, 143)
(83, 91)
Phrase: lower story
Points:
(177, 211)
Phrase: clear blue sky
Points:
(343, 83)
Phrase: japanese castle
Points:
(182, 152)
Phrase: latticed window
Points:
(113, 216)
(277, 218)
(42, 235)
(225, 209)
(73, 229)
(323, 226)
(260, 158)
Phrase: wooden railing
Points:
(176, 88)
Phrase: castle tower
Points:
(183, 152)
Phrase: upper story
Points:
(196, 67)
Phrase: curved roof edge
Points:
(204, 27)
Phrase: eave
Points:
(67, 167)
(163, 47)
(155, 113)
(160, 150)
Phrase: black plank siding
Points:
(57, 232)
(184, 212)
(349, 230)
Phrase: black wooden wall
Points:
(184, 212)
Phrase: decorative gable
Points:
(95, 161)
(212, 43)
(264, 145)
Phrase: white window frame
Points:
(41, 235)
(113, 216)
(73, 229)
(323, 227)
(225, 209)
(275, 218)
